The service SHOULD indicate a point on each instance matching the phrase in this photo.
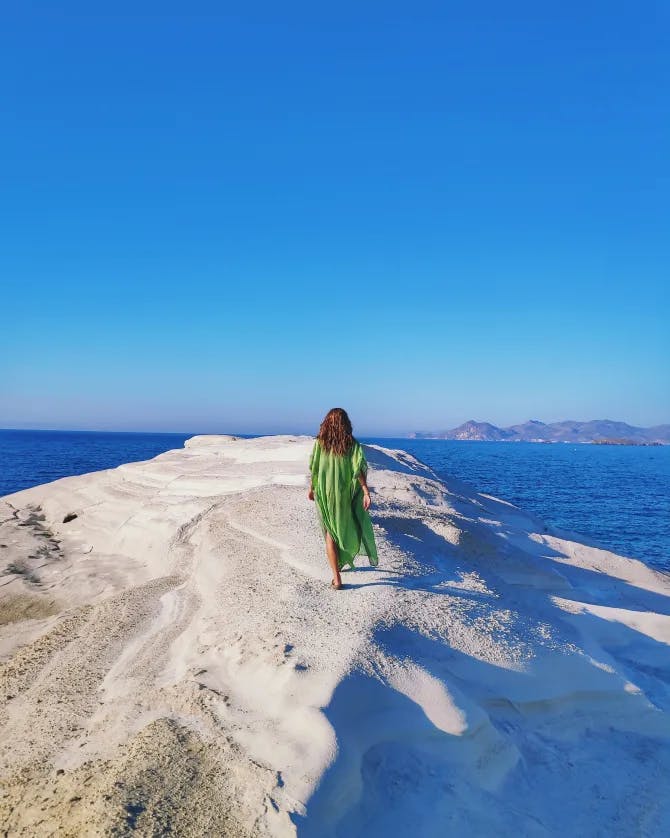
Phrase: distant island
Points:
(597, 431)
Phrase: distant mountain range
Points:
(603, 431)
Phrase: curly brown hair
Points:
(335, 433)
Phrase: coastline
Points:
(632, 443)
(185, 610)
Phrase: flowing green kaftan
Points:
(339, 501)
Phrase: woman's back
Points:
(332, 470)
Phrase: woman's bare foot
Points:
(334, 561)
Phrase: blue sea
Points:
(617, 495)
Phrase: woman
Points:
(338, 470)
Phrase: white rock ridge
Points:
(174, 659)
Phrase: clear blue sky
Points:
(423, 212)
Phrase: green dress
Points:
(339, 501)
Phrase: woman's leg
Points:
(333, 556)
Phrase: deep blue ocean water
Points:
(617, 495)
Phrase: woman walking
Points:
(338, 485)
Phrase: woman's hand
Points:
(366, 500)
(310, 494)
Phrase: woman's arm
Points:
(313, 460)
(364, 486)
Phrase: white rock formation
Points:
(173, 658)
